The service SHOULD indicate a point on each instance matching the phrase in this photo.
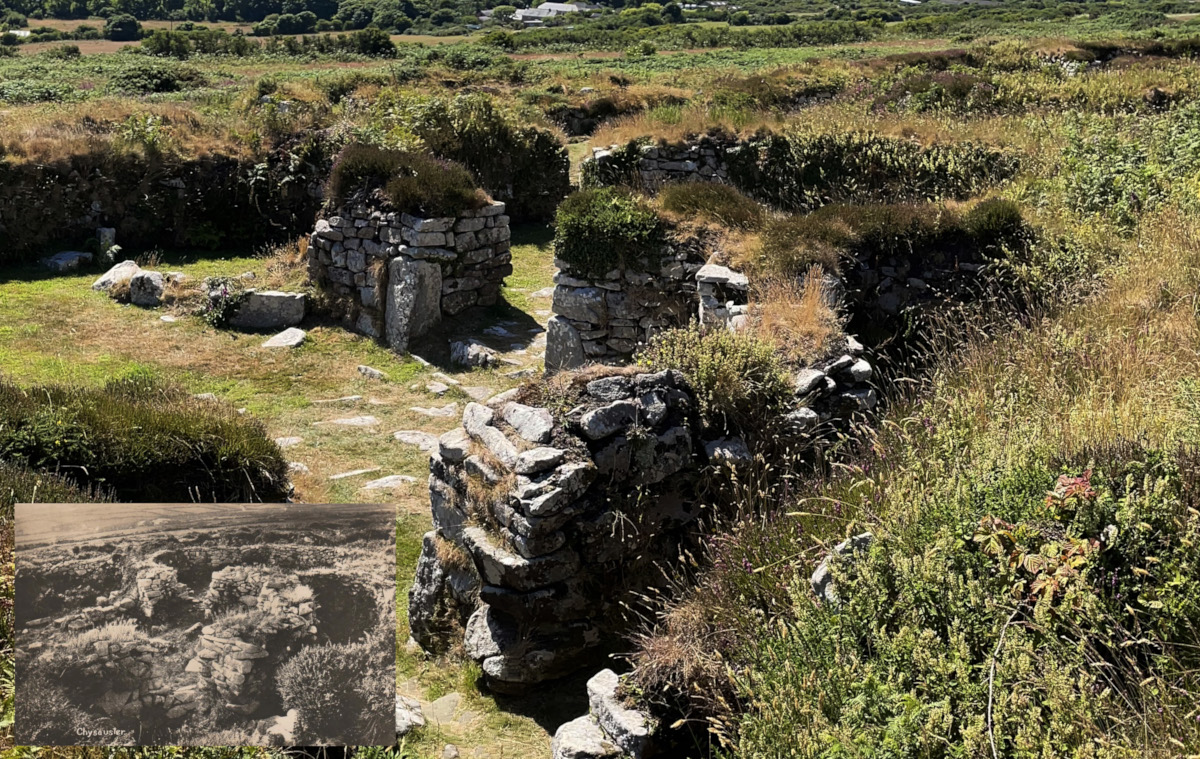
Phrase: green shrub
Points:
(741, 382)
(325, 683)
(1054, 618)
(712, 201)
(122, 27)
(597, 231)
(145, 77)
(17, 92)
(141, 441)
(414, 183)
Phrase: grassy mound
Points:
(137, 439)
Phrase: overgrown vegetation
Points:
(142, 441)
(412, 182)
(600, 230)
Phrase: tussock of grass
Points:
(798, 316)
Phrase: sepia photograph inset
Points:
(205, 624)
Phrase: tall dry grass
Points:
(798, 316)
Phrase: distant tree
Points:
(741, 18)
(504, 13)
(122, 28)
(443, 16)
(672, 13)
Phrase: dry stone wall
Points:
(545, 522)
(394, 276)
(650, 166)
(604, 319)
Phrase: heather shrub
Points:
(141, 440)
(141, 76)
(597, 231)
(413, 182)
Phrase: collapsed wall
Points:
(394, 276)
(548, 522)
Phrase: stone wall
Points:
(155, 584)
(394, 276)
(650, 166)
(231, 647)
(604, 319)
(545, 523)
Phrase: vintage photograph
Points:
(205, 625)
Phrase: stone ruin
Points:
(545, 522)
(650, 166)
(394, 276)
(604, 319)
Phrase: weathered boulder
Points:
(582, 739)
(500, 566)
(408, 715)
(146, 288)
(117, 275)
(269, 309)
(472, 353)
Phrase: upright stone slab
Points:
(413, 300)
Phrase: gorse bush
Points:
(714, 202)
(597, 231)
(148, 76)
(414, 183)
(141, 440)
(741, 381)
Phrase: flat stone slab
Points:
(292, 337)
(353, 421)
(355, 473)
(68, 260)
(390, 482)
(288, 442)
(343, 399)
(723, 275)
(423, 440)
(447, 411)
(269, 309)
(582, 739)
(371, 372)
